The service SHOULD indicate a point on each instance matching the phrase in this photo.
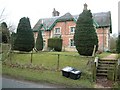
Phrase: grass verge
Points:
(104, 54)
(53, 77)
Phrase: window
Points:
(43, 32)
(72, 42)
(44, 42)
(57, 31)
(72, 29)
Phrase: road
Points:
(13, 83)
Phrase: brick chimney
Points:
(55, 13)
(85, 6)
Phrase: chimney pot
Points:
(55, 13)
(85, 6)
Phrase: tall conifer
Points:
(85, 35)
(24, 39)
(39, 41)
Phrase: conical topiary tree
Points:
(118, 44)
(39, 41)
(85, 36)
(24, 38)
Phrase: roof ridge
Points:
(101, 19)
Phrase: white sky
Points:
(36, 9)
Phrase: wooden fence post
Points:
(95, 65)
(93, 54)
(58, 62)
(31, 56)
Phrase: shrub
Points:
(55, 43)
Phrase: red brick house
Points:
(64, 27)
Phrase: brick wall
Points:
(103, 38)
(102, 33)
(65, 32)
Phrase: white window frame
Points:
(55, 30)
(44, 43)
(70, 42)
(70, 29)
(43, 32)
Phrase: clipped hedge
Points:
(55, 43)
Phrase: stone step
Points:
(101, 74)
(102, 70)
(107, 62)
(106, 65)
(105, 68)
(104, 59)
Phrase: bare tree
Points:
(2, 18)
(113, 39)
(11, 27)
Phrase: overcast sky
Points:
(36, 9)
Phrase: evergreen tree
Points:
(5, 33)
(24, 39)
(118, 44)
(39, 41)
(85, 36)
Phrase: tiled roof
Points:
(102, 19)
(45, 22)
(66, 17)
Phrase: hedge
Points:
(55, 43)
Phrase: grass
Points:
(53, 77)
(4, 48)
(104, 54)
(50, 60)
(118, 55)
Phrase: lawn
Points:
(4, 50)
(104, 54)
(49, 60)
